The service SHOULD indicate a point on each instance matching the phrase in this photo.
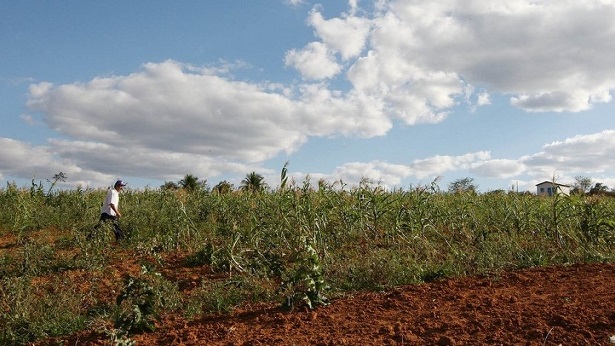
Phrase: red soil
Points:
(573, 305)
(562, 305)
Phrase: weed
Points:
(224, 296)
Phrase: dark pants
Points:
(104, 217)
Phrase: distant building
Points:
(549, 188)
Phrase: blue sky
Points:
(399, 92)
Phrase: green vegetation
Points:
(295, 245)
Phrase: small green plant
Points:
(224, 296)
(141, 300)
(119, 337)
(209, 255)
(305, 281)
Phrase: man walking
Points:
(111, 210)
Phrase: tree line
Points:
(252, 182)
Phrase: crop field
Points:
(305, 265)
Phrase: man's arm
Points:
(117, 212)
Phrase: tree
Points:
(253, 182)
(169, 185)
(598, 189)
(581, 184)
(223, 187)
(462, 185)
(191, 183)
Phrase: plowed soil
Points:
(572, 305)
(558, 305)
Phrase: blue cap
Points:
(120, 183)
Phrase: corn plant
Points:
(299, 244)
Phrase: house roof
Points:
(552, 183)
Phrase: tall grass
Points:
(297, 244)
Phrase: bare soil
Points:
(559, 305)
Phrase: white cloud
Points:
(587, 155)
(329, 113)
(584, 153)
(345, 35)
(483, 99)
(531, 48)
(554, 102)
(498, 168)
(408, 93)
(169, 119)
(376, 172)
(439, 164)
(144, 162)
(294, 2)
(548, 55)
(164, 107)
(29, 119)
(315, 61)
(18, 158)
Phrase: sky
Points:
(398, 93)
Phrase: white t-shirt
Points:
(113, 197)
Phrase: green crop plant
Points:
(29, 312)
(304, 280)
(299, 244)
(141, 300)
(595, 220)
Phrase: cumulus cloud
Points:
(95, 163)
(439, 164)
(159, 164)
(155, 107)
(314, 61)
(19, 158)
(29, 119)
(498, 168)
(375, 172)
(354, 114)
(483, 99)
(591, 153)
(555, 102)
(187, 119)
(547, 55)
(580, 155)
(346, 35)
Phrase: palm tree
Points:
(253, 182)
(191, 183)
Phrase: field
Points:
(307, 266)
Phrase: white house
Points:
(549, 188)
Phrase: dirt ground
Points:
(572, 305)
(563, 305)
